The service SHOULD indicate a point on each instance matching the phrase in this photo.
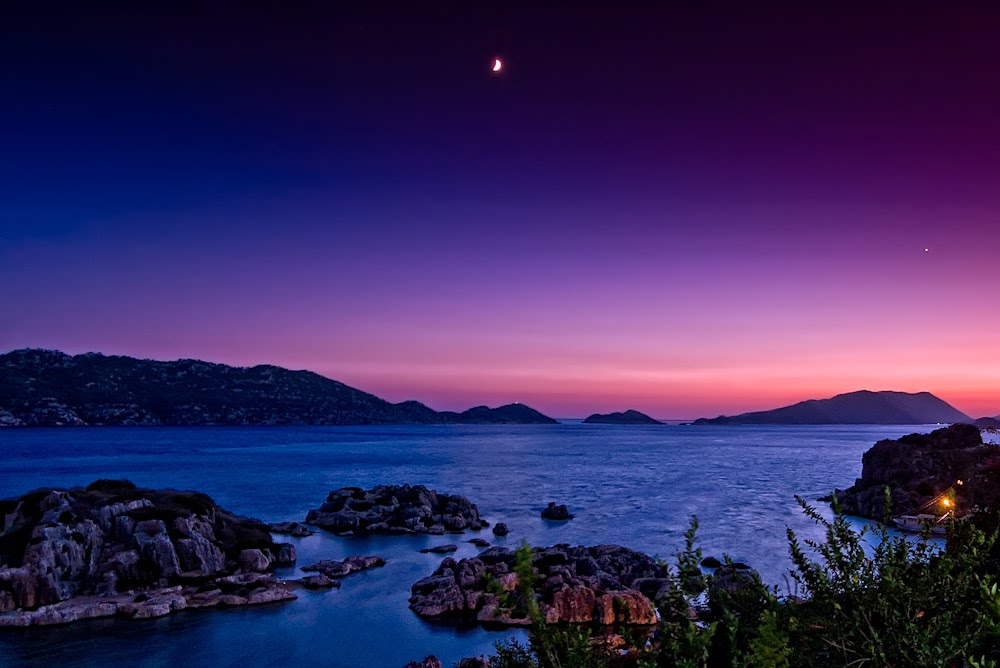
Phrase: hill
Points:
(862, 407)
(987, 423)
(628, 417)
(509, 414)
(49, 388)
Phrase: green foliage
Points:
(907, 603)
(870, 599)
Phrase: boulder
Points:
(439, 549)
(555, 512)
(500, 529)
(254, 561)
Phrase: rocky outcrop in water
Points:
(291, 529)
(558, 513)
(395, 509)
(344, 567)
(606, 584)
(920, 467)
(115, 549)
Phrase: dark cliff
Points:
(920, 467)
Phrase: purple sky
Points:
(687, 212)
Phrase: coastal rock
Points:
(480, 542)
(395, 509)
(254, 561)
(339, 569)
(428, 662)
(439, 549)
(8, 419)
(500, 529)
(115, 549)
(579, 585)
(473, 662)
(920, 467)
(555, 512)
(317, 582)
(291, 529)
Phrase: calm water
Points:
(635, 486)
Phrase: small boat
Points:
(920, 523)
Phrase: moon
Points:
(497, 64)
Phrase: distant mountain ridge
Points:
(50, 388)
(862, 407)
(630, 416)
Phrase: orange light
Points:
(946, 502)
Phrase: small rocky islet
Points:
(113, 549)
(395, 509)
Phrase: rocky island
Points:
(114, 549)
(45, 388)
(627, 417)
(605, 584)
(395, 509)
(862, 407)
(918, 468)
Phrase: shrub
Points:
(871, 599)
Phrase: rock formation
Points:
(920, 467)
(115, 549)
(291, 529)
(339, 569)
(395, 509)
(606, 584)
(558, 513)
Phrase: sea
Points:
(637, 486)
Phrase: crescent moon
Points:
(497, 64)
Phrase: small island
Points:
(628, 417)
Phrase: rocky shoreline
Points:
(919, 468)
(604, 584)
(114, 549)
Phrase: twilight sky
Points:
(684, 211)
